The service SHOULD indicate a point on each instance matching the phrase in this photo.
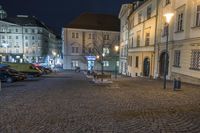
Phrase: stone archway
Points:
(162, 63)
(146, 67)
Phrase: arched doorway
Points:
(146, 69)
(162, 63)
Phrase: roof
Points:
(94, 21)
(25, 20)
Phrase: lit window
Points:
(75, 63)
(106, 63)
(106, 51)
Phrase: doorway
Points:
(146, 69)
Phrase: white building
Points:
(88, 36)
(125, 11)
(25, 39)
(142, 38)
(184, 40)
(147, 39)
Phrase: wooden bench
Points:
(104, 76)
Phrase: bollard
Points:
(175, 84)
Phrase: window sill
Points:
(195, 69)
(179, 31)
(176, 66)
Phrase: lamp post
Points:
(116, 50)
(168, 17)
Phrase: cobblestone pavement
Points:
(68, 103)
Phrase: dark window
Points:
(139, 18)
(177, 56)
(198, 16)
(137, 61)
(195, 60)
(147, 39)
(148, 12)
(180, 22)
(138, 39)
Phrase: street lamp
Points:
(168, 17)
(116, 50)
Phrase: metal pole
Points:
(115, 67)
(166, 53)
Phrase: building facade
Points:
(25, 39)
(148, 39)
(142, 39)
(184, 40)
(90, 36)
(125, 11)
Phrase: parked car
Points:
(26, 68)
(8, 77)
(21, 75)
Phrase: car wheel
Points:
(9, 80)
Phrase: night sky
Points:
(57, 13)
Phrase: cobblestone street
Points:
(68, 103)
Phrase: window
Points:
(26, 44)
(167, 2)
(137, 61)
(195, 59)
(180, 22)
(149, 12)
(33, 31)
(177, 56)
(138, 38)
(106, 63)
(106, 37)
(147, 39)
(10, 37)
(90, 36)
(132, 42)
(139, 18)
(26, 37)
(74, 63)
(16, 37)
(73, 35)
(77, 35)
(106, 51)
(74, 49)
(33, 38)
(26, 30)
(130, 61)
(198, 16)
(16, 30)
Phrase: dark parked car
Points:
(22, 76)
(8, 77)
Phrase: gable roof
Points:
(95, 21)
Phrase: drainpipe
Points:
(155, 42)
